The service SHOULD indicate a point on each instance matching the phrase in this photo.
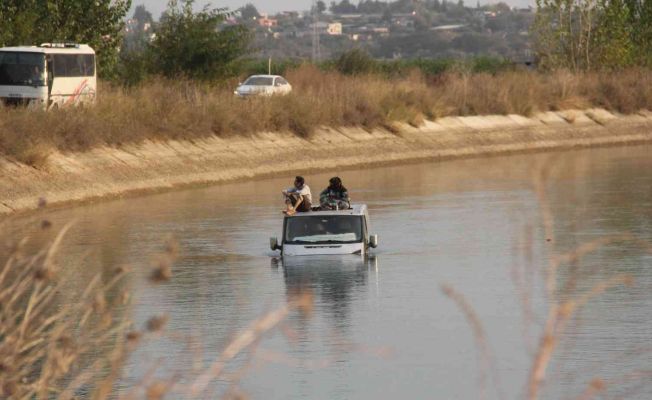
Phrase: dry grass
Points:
(567, 299)
(47, 349)
(54, 346)
(565, 295)
(163, 110)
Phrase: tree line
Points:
(95, 22)
(208, 45)
(593, 34)
(197, 45)
(382, 7)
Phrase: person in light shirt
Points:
(298, 198)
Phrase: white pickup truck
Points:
(326, 232)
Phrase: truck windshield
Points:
(22, 68)
(323, 229)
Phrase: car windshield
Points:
(323, 229)
(22, 69)
(259, 81)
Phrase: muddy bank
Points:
(110, 172)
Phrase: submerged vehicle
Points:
(326, 232)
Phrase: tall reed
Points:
(564, 285)
(48, 346)
(58, 343)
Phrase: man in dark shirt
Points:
(335, 196)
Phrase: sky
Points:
(156, 7)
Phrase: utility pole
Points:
(316, 49)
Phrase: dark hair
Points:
(300, 180)
(336, 182)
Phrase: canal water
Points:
(383, 327)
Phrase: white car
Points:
(263, 85)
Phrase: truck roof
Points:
(356, 209)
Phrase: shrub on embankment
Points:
(163, 109)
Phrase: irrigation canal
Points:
(383, 328)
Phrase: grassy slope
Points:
(186, 110)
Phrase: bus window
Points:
(22, 69)
(74, 65)
(89, 64)
(59, 65)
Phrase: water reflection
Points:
(332, 279)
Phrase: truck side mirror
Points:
(373, 241)
(273, 244)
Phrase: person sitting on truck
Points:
(298, 198)
(335, 196)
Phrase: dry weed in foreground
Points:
(52, 347)
(486, 356)
(302, 302)
(187, 110)
(563, 302)
(45, 346)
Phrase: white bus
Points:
(49, 76)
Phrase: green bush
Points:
(97, 23)
(356, 62)
(196, 45)
(134, 67)
(490, 65)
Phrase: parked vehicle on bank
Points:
(49, 76)
(326, 232)
(263, 85)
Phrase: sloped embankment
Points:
(108, 172)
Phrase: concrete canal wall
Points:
(151, 166)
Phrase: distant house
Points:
(403, 21)
(359, 37)
(320, 26)
(131, 25)
(266, 22)
(290, 14)
(334, 29)
(447, 27)
(351, 16)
